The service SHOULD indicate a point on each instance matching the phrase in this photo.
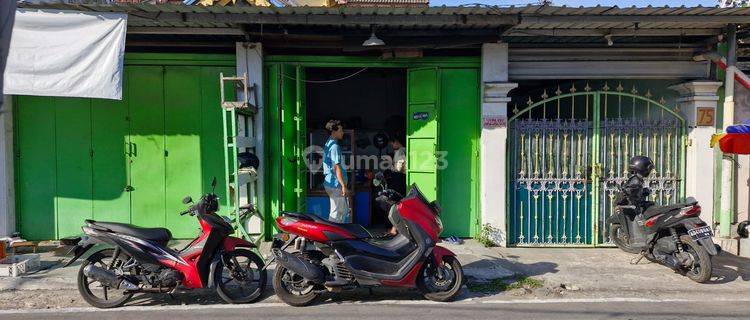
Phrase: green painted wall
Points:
(77, 158)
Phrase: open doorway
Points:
(371, 103)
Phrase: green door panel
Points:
(301, 143)
(182, 129)
(110, 145)
(422, 129)
(289, 98)
(36, 167)
(459, 142)
(74, 189)
(147, 167)
(273, 144)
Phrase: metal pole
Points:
(727, 163)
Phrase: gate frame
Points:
(594, 152)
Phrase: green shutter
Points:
(422, 128)
(147, 165)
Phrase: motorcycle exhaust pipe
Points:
(299, 266)
(108, 278)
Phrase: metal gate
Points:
(567, 153)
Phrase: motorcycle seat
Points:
(161, 235)
(655, 210)
(356, 230)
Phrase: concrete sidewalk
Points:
(567, 273)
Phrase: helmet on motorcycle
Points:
(640, 165)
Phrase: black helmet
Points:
(641, 165)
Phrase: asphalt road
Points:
(392, 310)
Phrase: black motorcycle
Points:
(672, 235)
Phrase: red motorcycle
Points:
(314, 255)
(140, 260)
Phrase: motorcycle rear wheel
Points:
(702, 268)
(292, 289)
(436, 289)
(110, 298)
(615, 233)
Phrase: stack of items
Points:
(736, 140)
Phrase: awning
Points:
(66, 53)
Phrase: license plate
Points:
(700, 233)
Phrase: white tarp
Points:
(66, 53)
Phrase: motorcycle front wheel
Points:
(240, 277)
(441, 283)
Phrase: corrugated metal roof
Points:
(523, 17)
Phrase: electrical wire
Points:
(328, 81)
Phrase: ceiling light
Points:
(374, 41)
(609, 39)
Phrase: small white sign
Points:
(490, 122)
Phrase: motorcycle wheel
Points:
(616, 233)
(441, 290)
(702, 267)
(88, 288)
(241, 277)
(292, 288)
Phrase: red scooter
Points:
(314, 255)
(141, 261)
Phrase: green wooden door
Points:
(459, 145)
(36, 159)
(423, 93)
(147, 165)
(289, 138)
(110, 143)
(74, 187)
(182, 141)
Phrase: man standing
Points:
(335, 176)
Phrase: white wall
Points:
(699, 164)
(493, 142)
(7, 197)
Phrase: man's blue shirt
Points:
(332, 156)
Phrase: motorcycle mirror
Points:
(187, 200)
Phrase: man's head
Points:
(335, 129)
(395, 141)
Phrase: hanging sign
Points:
(420, 116)
(490, 122)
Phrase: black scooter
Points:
(672, 235)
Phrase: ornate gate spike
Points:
(515, 108)
(573, 88)
(529, 102)
(587, 88)
(619, 87)
(606, 86)
(544, 94)
(662, 100)
(648, 94)
(558, 91)
(634, 91)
